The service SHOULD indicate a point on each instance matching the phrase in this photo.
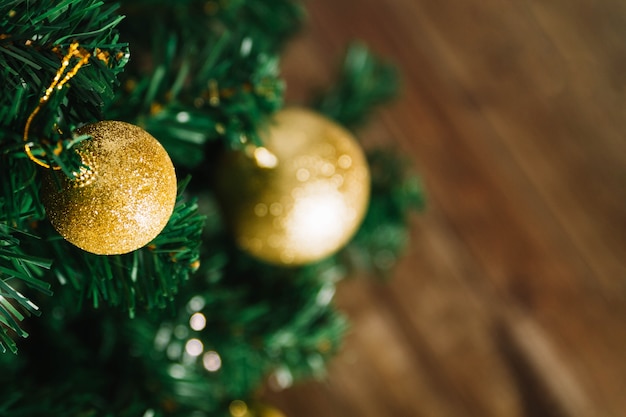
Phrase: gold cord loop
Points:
(60, 79)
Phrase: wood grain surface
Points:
(511, 299)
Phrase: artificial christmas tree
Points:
(163, 314)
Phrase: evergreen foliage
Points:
(112, 331)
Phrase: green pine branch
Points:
(216, 88)
(396, 194)
(18, 271)
(259, 321)
(146, 279)
(364, 82)
(35, 36)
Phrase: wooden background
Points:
(511, 300)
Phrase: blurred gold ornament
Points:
(239, 408)
(261, 410)
(122, 200)
(302, 196)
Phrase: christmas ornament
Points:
(239, 408)
(261, 410)
(299, 198)
(122, 200)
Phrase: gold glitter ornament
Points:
(299, 198)
(123, 200)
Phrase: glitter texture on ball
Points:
(123, 200)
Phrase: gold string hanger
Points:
(62, 76)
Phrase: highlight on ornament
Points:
(125, 197)
(308, 202)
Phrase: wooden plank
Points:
(512, 299)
